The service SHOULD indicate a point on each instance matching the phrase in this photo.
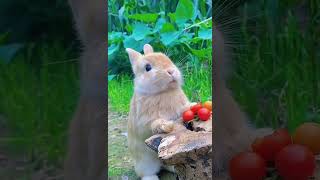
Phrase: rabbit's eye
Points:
(148, 67)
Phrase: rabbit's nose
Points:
(170, 71)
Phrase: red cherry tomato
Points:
(195, 108)
(256, 145)
(247, 166)
(204, 114)
(270, 145)
(295, 162)
(187, 116)
(283, 133)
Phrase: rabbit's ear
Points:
(147, 48)
(133, 55)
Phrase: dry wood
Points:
(190, 152)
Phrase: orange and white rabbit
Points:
(158, 101)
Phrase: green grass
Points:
(198, 83)
(120, 91)
(117, 173)
(276, 78)
(38, 97)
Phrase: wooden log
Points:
(190, 152)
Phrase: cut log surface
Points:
(190, 152)
(181, 147)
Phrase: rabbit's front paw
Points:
(162, 126)
(166, 127)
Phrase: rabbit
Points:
(233, 132)
(87, 141)
(156, 105)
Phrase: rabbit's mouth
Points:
(173, 83)
(173, 80)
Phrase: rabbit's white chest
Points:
(167, 106)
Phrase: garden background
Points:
(175, 28)
(275, 60)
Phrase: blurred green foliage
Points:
(25, 22)
(36, 19)
(276, 59)
(38, 78)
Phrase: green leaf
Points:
(147, 17)
(112, 49)
(110, 77)
(167, 27)
(184, 11)
(169, 37)
(130, 42)
(7, 52)
(206, 25)
(140, 31)
(114, 37)
(196, 40)
(186, 37)
(172, 17)
(121, 14)
(129, 28)
(205, 34)
(160, 23)
(203, 53)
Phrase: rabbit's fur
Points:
(87, 141)
(156, 105)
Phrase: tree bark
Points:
(190, 152)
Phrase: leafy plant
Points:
(175, 27)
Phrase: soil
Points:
(120, 165)
(16, 165)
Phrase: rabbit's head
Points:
(154, 72)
